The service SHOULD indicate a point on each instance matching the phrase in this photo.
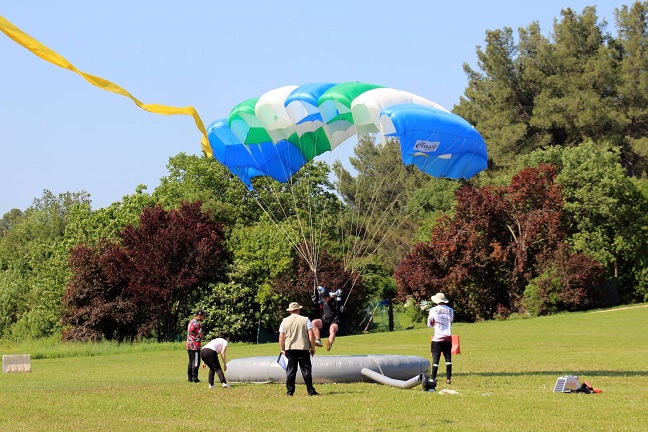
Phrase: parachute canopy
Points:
(277, 133)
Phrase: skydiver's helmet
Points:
(324, 293)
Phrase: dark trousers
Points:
(210, 357)
(194, 364)
(301, 358)
(437, 349)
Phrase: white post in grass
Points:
(16, 363)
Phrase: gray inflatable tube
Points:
(329, 369)
(382, 379)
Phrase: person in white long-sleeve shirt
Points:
(440, 318)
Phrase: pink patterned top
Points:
(194, 330)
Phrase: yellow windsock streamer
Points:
(47, 54)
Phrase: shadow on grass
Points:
(609, 373)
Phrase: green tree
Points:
(430, 202)
(10, 219)
(232, 308)
(202, 178)
(606, 210)
(88, 226)
(499, 100)
(580, 84)
(260, 255)
(632, 43)
(32, 265)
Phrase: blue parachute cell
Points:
(279, 161)
(438, 142)
(307, 97)
(229, 151)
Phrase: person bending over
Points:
(209, 356)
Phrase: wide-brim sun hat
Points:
(293, 306)
(439, 298)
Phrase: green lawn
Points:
(504, 376)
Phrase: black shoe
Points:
(289, 394)
(196, 380)
(313, 394)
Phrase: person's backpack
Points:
(587, 388)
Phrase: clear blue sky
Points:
(58, 132)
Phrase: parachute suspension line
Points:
(312, 224)
(315, 283)
(362, 254)
(354, 227)
(303, 237)
(350, 211)
(312, 231)
(303, 211)
(306, 224)
(374, 222)
(341, 221)
(360, 268)
(344, 211)
(290, 233)
(297, 237)
(305, 245)
(355, 277)
(361, 246)
(369, 224)
(382, 229)
(383, 218)
(362, 243)
(274, 219)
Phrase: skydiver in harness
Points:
(332, 309)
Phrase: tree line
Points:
(557, 222)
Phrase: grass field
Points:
(504, 376)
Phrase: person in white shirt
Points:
(440, 318)
(209, 355)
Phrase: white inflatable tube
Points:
(382, 379)
(328, 368)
